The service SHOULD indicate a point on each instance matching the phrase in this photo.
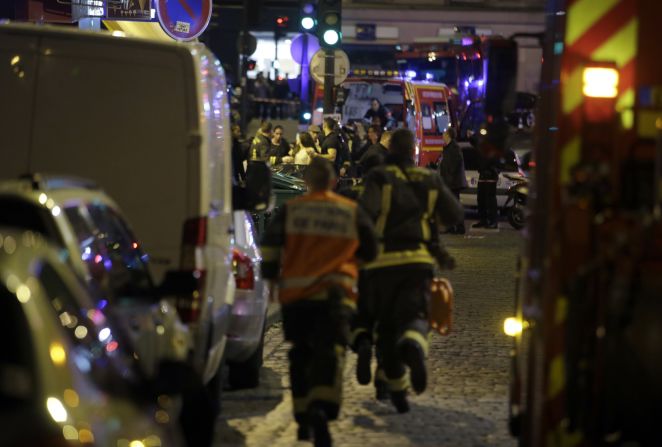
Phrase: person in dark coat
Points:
(451, 170)
(489, 166)
(261, 145)
(279, 146)
(377, 113)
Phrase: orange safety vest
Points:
(321, 239)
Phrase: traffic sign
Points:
(341, 66)
(246, 48)
(183, 19)
(304, 44)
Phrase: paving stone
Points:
(466, 400)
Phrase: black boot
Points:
(413, 356)
(364, 352)
(399, 400)
(319, 423)
(303, 432)
(381, 390)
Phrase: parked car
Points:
(511, 166)
(97, 243)
(161, 150)
(65, 378)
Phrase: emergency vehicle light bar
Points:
(366, 72)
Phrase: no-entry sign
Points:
(183, 19)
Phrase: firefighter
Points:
(363, 321)
(312, 246)
(406, 203)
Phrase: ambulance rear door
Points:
(435, 118)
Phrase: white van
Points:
(149, 122)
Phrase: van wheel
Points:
(246, 374)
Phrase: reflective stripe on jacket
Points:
(406, 203)
(318, 250)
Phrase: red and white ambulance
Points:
(427, 108)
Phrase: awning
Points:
(143, 30)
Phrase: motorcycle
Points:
(517, 197)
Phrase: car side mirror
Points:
(178, 282)
(255, 195)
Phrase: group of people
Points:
(353, 269)
(272, 98)
(346, 147)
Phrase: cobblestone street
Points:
(465, 403)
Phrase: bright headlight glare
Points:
(600, 82)
(512, 326)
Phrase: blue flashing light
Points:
(429, 76)
(411, 74)
(307, 116)
(308, 8)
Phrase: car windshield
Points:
(98, 349)
(113, 256)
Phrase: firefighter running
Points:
(406, 203)
(311, 246)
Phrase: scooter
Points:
(517, 197)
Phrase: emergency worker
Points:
(312, 246)
(261, 145)
(407, 203)
(363, 322)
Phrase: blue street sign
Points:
(183, 19)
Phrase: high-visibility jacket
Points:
(406, 203)
(313, 243)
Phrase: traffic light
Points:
(308, 20)
(329, 23)
(282, 21)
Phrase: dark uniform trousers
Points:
(364, 320)
(487, 201)
(318, 329)
(401, 296)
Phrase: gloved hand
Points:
(446, 262)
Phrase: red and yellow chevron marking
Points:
(600, 31)
(596, 31)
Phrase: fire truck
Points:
(587, 330)
(427, 108)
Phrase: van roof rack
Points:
(39, 181)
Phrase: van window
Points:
(427, 119)
(441, 117)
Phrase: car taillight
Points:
(194, 237)
(242, 267)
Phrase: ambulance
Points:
(427, 108)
